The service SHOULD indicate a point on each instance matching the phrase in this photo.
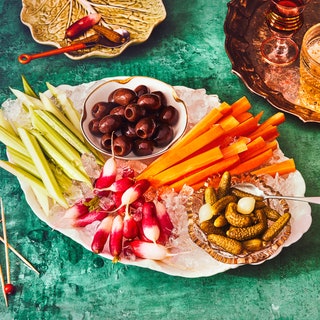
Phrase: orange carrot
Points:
(243, 116)
(172, 157)
(274, 120)
(240, 106)
(284, 167)
(201, 176)
(177, 171)
(234, 148)
(267, 133)
(252, 163)
(257, 149)
(228, 122)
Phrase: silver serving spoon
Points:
(26, 58)
(251, 188)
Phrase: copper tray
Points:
(245, 29)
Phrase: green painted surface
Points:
(186, 49)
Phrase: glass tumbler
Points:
(309, 90)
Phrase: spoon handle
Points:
(315, 200)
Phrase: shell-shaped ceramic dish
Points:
(49, 20)
(246, 257)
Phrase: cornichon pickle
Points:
(230, 245)
(276, 227)
(237, 219)
(251, 232)
(210, 195)
(240, 194)
(220, 221)
(252, 244)
(220, 205)
(224, 185)
(259, 205)
(208, 227)
(271, 214)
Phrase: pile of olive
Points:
(138, 119)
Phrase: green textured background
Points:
(186, 49)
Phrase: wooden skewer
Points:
(4, 230)
(3, 284)
(21, 257)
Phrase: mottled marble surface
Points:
(186, 49)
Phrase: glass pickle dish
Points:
(269, 248)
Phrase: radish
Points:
(81, 207)
(101, 235)
(149, 222)
(149, 250)
(95, 215)
(134, 192)
(116, 238)
(166, 226)
(108, 174)
(82, 25)
(130, 227)
(120, 185)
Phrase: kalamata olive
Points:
(140, 90)
(145, 127)
(129, 129)
(163, 99)
(122, 146)
(133, 112)
(106, 141)
(101, 109)
(94, 127)
(169, 115)
(163, 135)
(119, 111)
(110, 123)
(123, 96)
(142, 147)
(149, 101)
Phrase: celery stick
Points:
(23, 161)
(43, 199)
(12, 141)
(60, 160)
(51, 107)
(6, 124)
(28, 101)
(66, 104)
(63, 131)
(64, 182)
(23, 175)
(43, 167)
(27, 87)
(64, 147)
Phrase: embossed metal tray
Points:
(245, 29)
(49, 20)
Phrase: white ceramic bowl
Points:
(102, 92)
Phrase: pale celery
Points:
(65, 165)
(6, 123)
(23, 175)
(64, 147)
(66, 105)
(28, 101)
(27, 88)
(12, 141)
(43, 167)
(23, 161)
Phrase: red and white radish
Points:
(116, 238)
(130, 227)
(149, 250)
(95, 215)
(80, 208)
(120, 185)
(134, 192)
(82, 25)
(107, 175)
(166, 226)
(101, 235)
(149, 222)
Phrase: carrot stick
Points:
(252, 163)
(228, 123)
(274, 120)
(284, 167)
(172, 157)
(253, 151)
(267, 133)
(202, 175)
(240, 106)
(235, 148)
(187, 167)
(243, 116)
